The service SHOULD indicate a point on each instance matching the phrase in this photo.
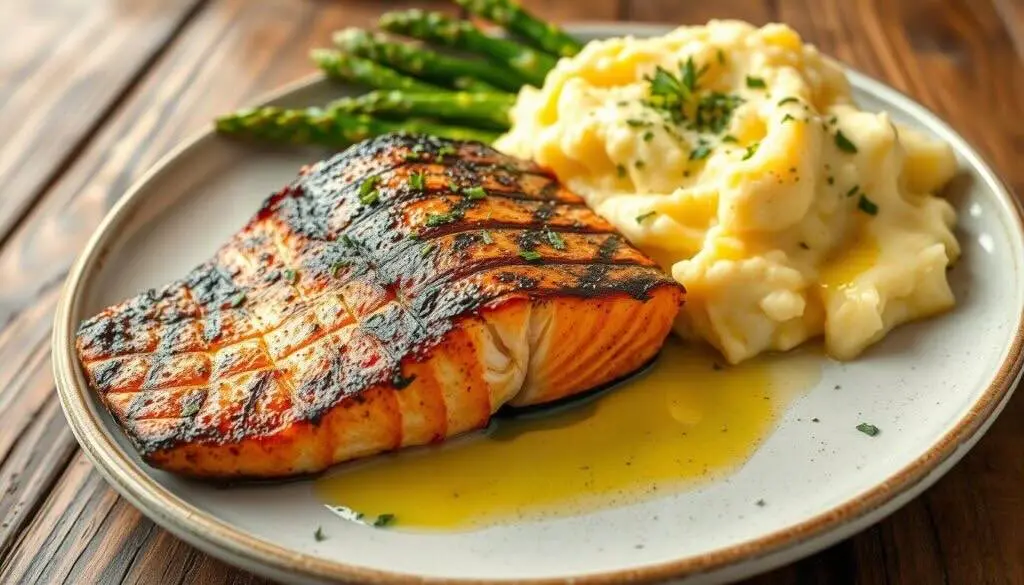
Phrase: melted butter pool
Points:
(685, 420)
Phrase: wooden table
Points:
(92, 92)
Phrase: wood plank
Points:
(1012, 13)
(690, 13)
(65, 64)
(589, 11)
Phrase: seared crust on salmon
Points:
(394, 295)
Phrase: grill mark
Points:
(404, 197)
(473, 268)
(447, 300)
(265, 379)
(449, 161)
(458, 228)
(471, 168)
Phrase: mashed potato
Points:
(736, 158)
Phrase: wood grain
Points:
(591, 10)
(62, 69)
(60, 523)
(1012, 14)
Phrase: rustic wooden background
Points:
(92, 92)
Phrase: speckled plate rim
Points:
(761, 554)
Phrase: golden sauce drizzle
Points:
(687, 419)
(840, 272)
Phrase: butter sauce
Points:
(685, 420)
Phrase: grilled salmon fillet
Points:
(396, 294)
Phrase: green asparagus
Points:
(511, 16)
(339, 65)
(458, 73)
(435, 27)
(330, 127)
(488, 110)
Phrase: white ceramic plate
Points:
(934, 387)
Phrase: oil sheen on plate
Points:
(686, 419)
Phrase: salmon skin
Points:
(396, 294)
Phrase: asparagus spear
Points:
(458, 73)
(330, 127)
(489, 110)
(435, 27)
(510, 15)
(363, 71)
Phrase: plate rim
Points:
(221, 538)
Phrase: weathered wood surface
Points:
(93, 92)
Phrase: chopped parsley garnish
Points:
(384, 520)
(238, 300)
(729, 138)
(714, 112)
(648, 136)
(475, 193)
(640, 218)
(867, 206)
(667, 87)
(319, 534)
(787, 118)
(445, 151)
(368, 194)
(844, 143)
(788, 100)
(751, 150)
(634, 123)
(691, 74)
(621, 170)
(486, 237)
(755, 82)
(529, 255)
(853, 191)
(189, 409)
(701, 152)
(370, 198)
(639, 164)
(556, 240)
(290, 275)
(418, 181)
(721, 56)
(669, 91)
(868, 429)
(436, 219)
(336, 268)
(345, 239)
(426, 249)
(411, 156)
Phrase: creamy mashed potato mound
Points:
(744, 167)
